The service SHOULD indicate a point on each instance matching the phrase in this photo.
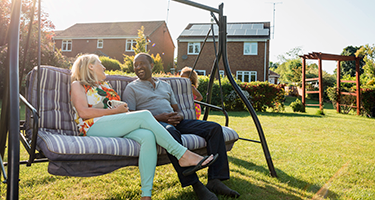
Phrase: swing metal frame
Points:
(10, 118)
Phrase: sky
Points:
(326, 26)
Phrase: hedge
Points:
(262, 95)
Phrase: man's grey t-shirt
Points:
(141, 95)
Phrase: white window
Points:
(100, 44)
(246, 76)
(221, 72)
(194, 48)
(201, 72)
(130, 44)
(66, 45)
(250, 48)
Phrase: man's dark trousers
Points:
(213, 134)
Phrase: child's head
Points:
(186, 71)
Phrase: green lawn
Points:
(330, 155)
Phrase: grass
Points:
(315, 156)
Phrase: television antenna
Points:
(273, 23)
(166, 21)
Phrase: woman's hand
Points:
(121, 108)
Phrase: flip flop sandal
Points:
(199, 166)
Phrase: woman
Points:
(90, 96)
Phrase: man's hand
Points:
(173, 118)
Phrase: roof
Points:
(273, 74)
(108, 30)
(234, 30)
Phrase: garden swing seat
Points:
(72, 155)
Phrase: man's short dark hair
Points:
(149, 58)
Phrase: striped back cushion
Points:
(56, 111)
(184, 95)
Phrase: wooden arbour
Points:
(324, 56)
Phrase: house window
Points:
(66, 45)
(250, 48)
(201, 72)
(100, 43)
(246, 76)
(221, 72)
(194, 48)
(130, 44)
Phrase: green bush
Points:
(110, 64)
(368, 99)
(297, 106)
(262, 95)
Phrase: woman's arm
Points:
(79, 101)
(197, 94)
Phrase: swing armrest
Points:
(31, 150)
(216, 108)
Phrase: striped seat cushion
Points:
(58, 134)
(63, 147)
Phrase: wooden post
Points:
(358, 86)
(320, 83)
(303, 81)
(338, 86)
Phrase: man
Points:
(148, 93)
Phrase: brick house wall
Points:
(114, 46)
(237, 61)
(237, 35)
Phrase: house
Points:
(273, 77)
(247, 48)
(115, 39)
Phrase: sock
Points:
(215, 185)
(202, 192)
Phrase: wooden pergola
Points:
(324, 56)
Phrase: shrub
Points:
(347, 100)
(264, 95)
(110, 64)
(368, 99)
(297, 106)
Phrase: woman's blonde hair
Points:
(194, 76)
(81, 71)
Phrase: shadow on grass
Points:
(268, 114)
(296, 187)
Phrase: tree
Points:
(290, 69)
(348, 67)
(30, 59)
(368, 54)
(140, 47)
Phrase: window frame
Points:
(193, 44)
(100, 41)
(249, 73)
(200, 71)
(132, 42)
(66, 43)
(250, 45)
(222, 73)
